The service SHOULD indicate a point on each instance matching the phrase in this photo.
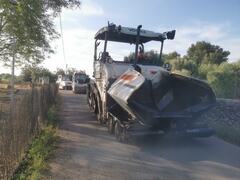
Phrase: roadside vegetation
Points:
(229, 134)
(34, 164)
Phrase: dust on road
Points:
(87, 151)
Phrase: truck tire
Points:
(98, 111)
(120, 132)
(94, 104)
(91, 101)
(110, 124)
(99, 117)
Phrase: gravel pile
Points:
(226, 112)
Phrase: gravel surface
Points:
(226, 112)
(87, 151)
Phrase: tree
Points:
(33, 73)
(26, 28)
(205, 53)
(154, 57)
(129, 58)
(5, 78)
(173, 55)
(205, 69)
(189, 67)
(60, 71)
(151, 57)
(70, 72)
(225, 80)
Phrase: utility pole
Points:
(63, 48)
(66, 69)
(13, 2)
(13, 71)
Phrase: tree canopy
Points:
(60, 71)
(225, 80)
(204, 52)
(149, 56)
(171, 55)
(26, 28)
(33, 73)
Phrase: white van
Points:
(64, 82)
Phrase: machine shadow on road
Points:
(184, 149)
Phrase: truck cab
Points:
(79, 82)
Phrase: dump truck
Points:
(140, 97)
(79, 82)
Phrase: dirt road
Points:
(87, 151)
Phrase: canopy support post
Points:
(105, 42)
(161, 49)
(137, 43)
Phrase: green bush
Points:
(183, 72)
(204, 69)
(52, 116)
(225, 80)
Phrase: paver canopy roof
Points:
(128, 35)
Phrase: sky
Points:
(214, 21)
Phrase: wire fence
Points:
(20, 121)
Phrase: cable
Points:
(63, 48)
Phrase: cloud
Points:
(218, 34)
(90, 8)
(87, 9)
(204, 31)
(79, 48)
(5, 69)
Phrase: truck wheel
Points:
(110, 125)
(94, 105)
(98, 111)
(89, 101)
(99, 117)
(120, 132)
